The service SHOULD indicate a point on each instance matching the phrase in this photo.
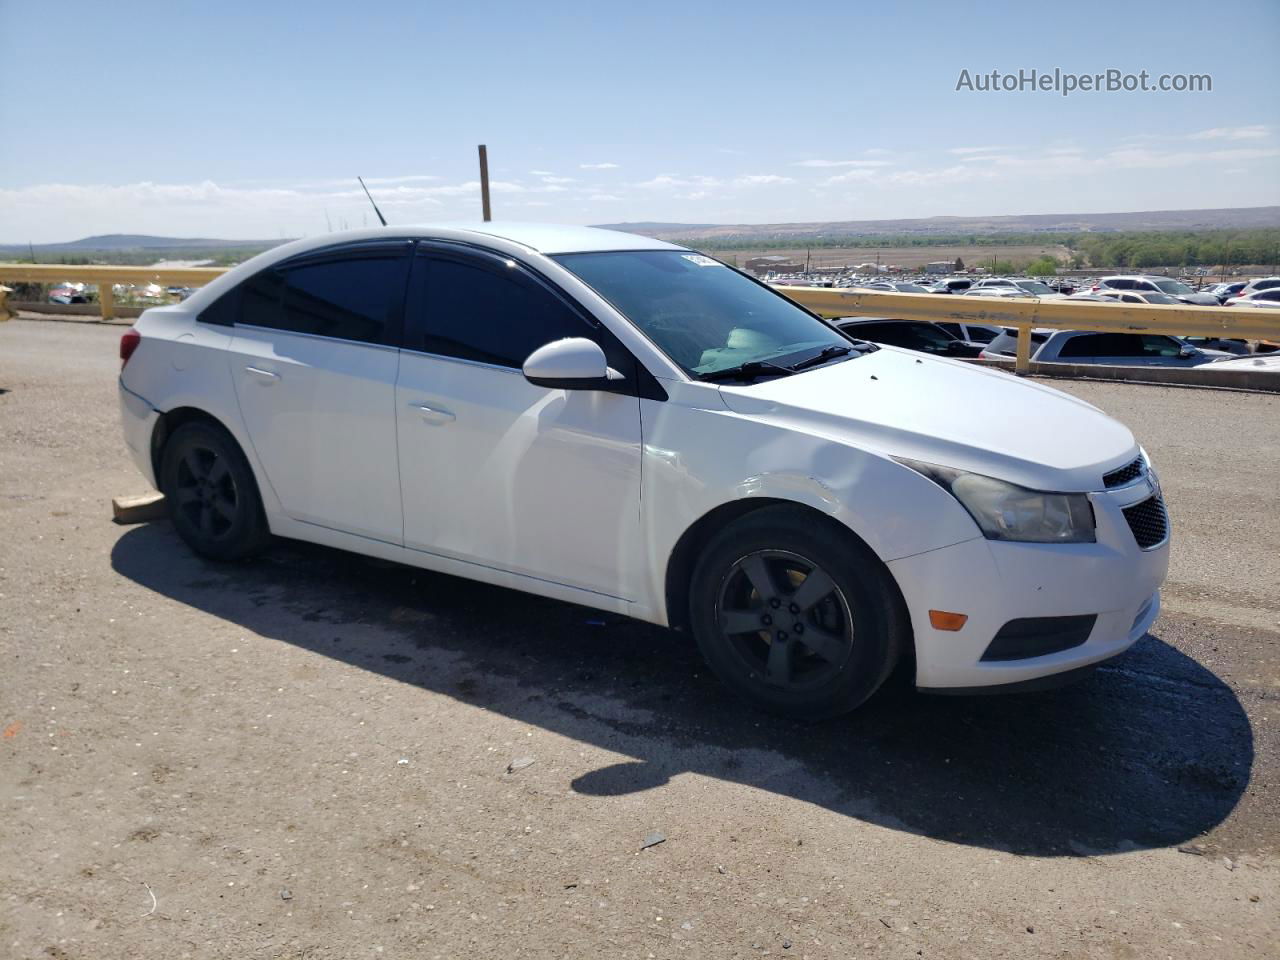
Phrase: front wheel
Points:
(796, 616)
(213, 499)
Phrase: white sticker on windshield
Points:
(702, 261)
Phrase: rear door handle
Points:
(433, 414)
(266, 375)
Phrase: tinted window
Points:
(1265, 284)
(1173, 287)
(1120, 345)
(1120, 283)
(1102, 345)
(260, 300)
(955, 330)
(357, 298)
(1268, 295)
(975, 334)
(476, 313)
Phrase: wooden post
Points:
(484, 183)
(107, 299)
(1022, 363)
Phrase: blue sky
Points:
(252, 119)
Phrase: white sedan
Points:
(627, 424)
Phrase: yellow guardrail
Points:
(1018, 312)
(105, 277)
(1024, 313)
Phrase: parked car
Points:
(1175, 288)
(1254, 286)
(973, 332)
(895, 286)
(68, 293)
(917, 335)
(619, 422)
(1223, 291)
(951, 285)
(1232, 345)
(993, 292)
(1116, 349)
(1259, 298)
(1255, 362)
(1023, 286)
(1139, 296)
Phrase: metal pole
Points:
(484, 183)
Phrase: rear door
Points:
(495, 470)
(314, 360)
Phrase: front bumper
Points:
(994, 582)
(138, 419)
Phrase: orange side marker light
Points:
(942, 620)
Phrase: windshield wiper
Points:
(748, 371)
(822, 356)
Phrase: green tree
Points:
(959, 267)
(1045, 266)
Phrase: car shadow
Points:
(1153, 750)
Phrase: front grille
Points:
(1123, 475)
(1148, 521)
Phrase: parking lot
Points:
(316, 755)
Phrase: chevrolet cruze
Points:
(628, 424)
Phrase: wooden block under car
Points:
(139, 509)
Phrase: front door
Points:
(314, 361)
(494, 470)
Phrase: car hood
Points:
(1200, 299)
(907, 404)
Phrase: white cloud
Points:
(1257, 131)
(1226, 156)
(666, 181)
(841, 163)
(999, 159)
(757, 179)
(857, 175)
(540, 173)
(961, 151)
(550, 178)
(598, 166)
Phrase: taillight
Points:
(128, 343)
(1095, 288)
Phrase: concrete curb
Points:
(1254, 381)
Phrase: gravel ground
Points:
(315, 755)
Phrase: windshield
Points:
(704, 315)
(1035, 286)
(1174, 287)
(1161, 298)
(910, 288)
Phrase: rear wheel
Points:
(213, 499)
(797, 616)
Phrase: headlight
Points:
(1006, 511)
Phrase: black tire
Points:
(851, 633)
(212, 496)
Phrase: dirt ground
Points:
(314, 755)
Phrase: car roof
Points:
(553, 238)
(541, 238)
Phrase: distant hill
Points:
(136, 241)
(1238, 218)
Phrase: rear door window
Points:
(355, 295)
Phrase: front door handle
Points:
(433, 414)
(266, 376)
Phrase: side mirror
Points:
(574, 363)
(1187, 351)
